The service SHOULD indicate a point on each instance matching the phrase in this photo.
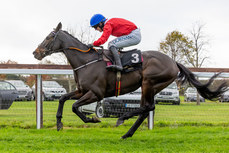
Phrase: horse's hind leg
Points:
(132, 130)
(88, 98)
(128, 115)
(139, 121)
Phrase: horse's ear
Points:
(59, 26)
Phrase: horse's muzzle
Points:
(37, 55)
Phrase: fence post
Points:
(39, 103)
(151, 120)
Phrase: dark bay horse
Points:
(94, 81)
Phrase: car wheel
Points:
(185, 99)
(178, 102)
(99, 111)
(31, 98)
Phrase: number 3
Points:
(136, 58)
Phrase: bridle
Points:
(49, 46)
(49, 50)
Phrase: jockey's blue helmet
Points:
(96, 19)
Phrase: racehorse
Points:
(94, 81)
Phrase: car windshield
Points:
(18, 83)
(50, 84)
(172, 86)
(192, 90)
(6, 86)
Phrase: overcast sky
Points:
(25, 23)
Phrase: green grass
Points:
(183, 128)
(167, 139)
(23, 115)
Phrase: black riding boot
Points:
(118, 65)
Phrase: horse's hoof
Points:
(59, 126)
(95, 119)
(119, 122)
(123, 137)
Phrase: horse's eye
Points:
(50, 36)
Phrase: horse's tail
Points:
(203, 89)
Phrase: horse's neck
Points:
(76, 57)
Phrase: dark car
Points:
(115, 106)
(8, 94)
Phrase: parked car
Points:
(115, 106)
(51, 90)
(224, 97)
(8, 93)
(191, 95)
(24, 91)
(168, 95)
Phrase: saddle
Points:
(131, 60)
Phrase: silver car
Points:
(115, 106)
(224, 97)
(191, 95)
(24, 91)
(51, 90)
(168, 95)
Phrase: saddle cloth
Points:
(131, 60)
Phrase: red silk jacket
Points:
(115, 27)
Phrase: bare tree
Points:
(200, 45)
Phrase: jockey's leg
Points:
(131, 39)
(118, 64)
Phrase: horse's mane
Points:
(66, 32)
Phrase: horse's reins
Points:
(85, 51)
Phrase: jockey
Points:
(126, 32)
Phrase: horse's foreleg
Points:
(88, 98)
(73, 95)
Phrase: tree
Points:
(200, 43)
(187, 50)
(175, 44)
